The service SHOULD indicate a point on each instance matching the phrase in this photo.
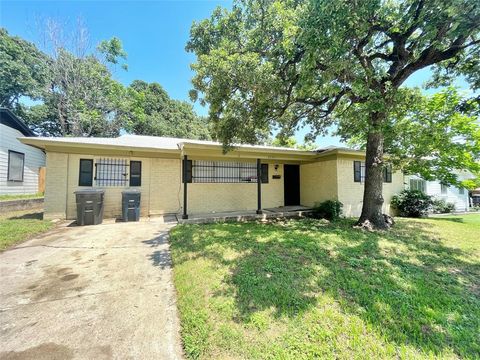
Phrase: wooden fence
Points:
(41, 179)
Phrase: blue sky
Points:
(153, 33)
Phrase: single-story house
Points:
(19, 163)
(184, 177)
(451, 194)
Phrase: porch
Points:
(248, 215)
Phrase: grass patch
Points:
(18, 226)
(305, 289)
(20, 196)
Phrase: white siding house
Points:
(451, 194)
(19, 163)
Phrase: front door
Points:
(291, 184)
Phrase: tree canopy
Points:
(24, 70)
(150, 111)
(320, 62)
(78, 95)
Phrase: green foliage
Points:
(80, 97)
(330, 210)
(150, 111)
(24, 70)
(289, 63)
(440, 206)
(286, 64)
(113, 51)
(428, 135)
(291, 142)
(81, 100)
(412, 203)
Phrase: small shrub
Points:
(330, 210)
(440, 206)
(412, 203)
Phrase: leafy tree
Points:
(23, 70)
(291, 142)
(113, 51)
(150, 111)
(432, 136)
(81, 100)
(291, 63)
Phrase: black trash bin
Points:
(89, 206)
(131, 205)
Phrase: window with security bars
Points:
(223, 172)
(111, 172)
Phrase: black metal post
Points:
(185, 164)
(259, 187)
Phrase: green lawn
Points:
(20, 196)
(21, 225)
(305, 289)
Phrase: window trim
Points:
(131, 173)
(23, 165)
(443, 186)
(357, 171)
(387, 174)
(418, 181)
(80, 172)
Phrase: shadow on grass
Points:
(446, 218)
(38, 215)
(411, 288)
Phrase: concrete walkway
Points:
(92, 292)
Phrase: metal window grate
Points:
(362, 171)
(111, 172)
(223, 172)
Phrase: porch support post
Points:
(184, 172)
(259, 187)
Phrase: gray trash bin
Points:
(131, 205)
(89, 206)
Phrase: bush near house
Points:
(330, 210)
(412, 203)
(440, 206)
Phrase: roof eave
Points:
(41, 143)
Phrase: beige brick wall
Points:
(206, 198)
(318, 182)
(350, 193)
(166, 190)
(162, 190)
(56, 186)
(113, 194)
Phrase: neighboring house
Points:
(19, 163)
(475, 197)
(167, 169)
(451, 194)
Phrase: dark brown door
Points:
(291, 184)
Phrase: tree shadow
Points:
(405, 283)
(161, 257)
(37, 215)
(447, 218)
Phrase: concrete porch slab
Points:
(248, 215)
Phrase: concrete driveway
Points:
(92, 292)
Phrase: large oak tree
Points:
(295, 63)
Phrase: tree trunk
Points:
(372, 216)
